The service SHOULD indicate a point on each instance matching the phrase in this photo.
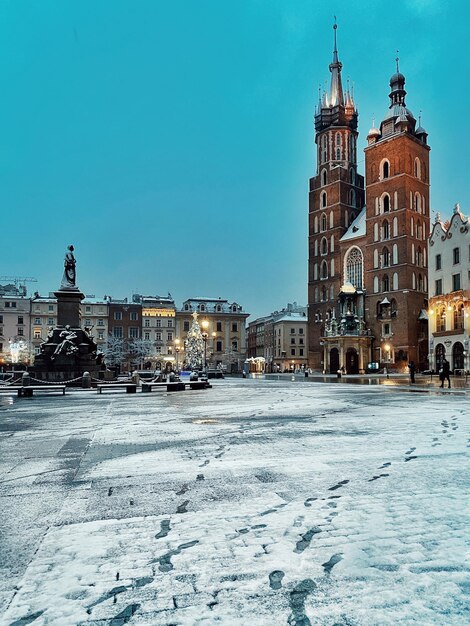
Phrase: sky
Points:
(172, 141)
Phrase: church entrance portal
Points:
(352, 361)
(334, 360)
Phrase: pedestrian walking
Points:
(412, 368)
(444, 372)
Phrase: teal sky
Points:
(172, 142)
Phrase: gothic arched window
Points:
(385, 230)
(441, 319)
(324, 270)
(323, 199)
(323, 222)
(352, 198)
(324, 246)
(385, 257)
(323, 178)
(385, 283)
(385, 169)
(386, 203)
(417, 168)
(354, 264)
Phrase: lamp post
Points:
(205, 335)
(177, 349)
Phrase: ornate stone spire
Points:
(336, 89)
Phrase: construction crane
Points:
(19, 282)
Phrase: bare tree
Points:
(114, 351)
(140, 351)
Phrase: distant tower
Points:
(336, 197)
(397, 227)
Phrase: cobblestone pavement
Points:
(256, 502)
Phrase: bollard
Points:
(338, 374)
(25, 379)
(135, 378)
(86, 380)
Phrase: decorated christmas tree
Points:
(194, 346)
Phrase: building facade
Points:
(226, 340)
(367, 237)
(278, 342)
(449, 292)
(15, 333)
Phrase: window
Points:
(323, 199)
(158, 323)
(438, 262)
(37, 334)
(235, 327)
(100, 334)
(37, 320)
(353, 267)
(20, 319)
(170, 324)
(385, 257)
(158, 349)
(218, 327)
(441, 320)
(456, 282)
(100, 322)
(385, 230)
(385, 283)
(338, 154)
(158, 336)
(324, 270)
(1, 319)
(87, 323)
(202, 307)
(323, 178)
(169, 336)
(292, 331)
(218, 346)
(301, 351)
(456, 255)
(417, 168)
(301, 341)
(386, 203)
(133, 332)
(323, 224)
(292, 340)
(234, 308)
(88, 309)
(117, 332)
(118, 315)
(301, 331)
(50, 321)
(51, 307)
(147, 336)
(235, 345)
(146, 323)
(133, 316)
(459, 317)
(385, 169)
(386, 330)
(186, 307)
(186, 326)
(324, 246)
(20, 332)
(438, 287)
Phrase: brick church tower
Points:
(336, 197)
(397, 227)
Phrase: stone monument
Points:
(69, 350)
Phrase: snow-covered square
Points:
(254, 503)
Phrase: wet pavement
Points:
(256, 502)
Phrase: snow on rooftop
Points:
(357, 227)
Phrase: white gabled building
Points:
(449, 292)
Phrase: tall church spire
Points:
(336, 89)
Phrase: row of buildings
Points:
(147, 329)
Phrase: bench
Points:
(199, 384)
(27, 392)
(129, 387)
(173, 386)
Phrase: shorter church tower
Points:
(397, 227)
(336, 197)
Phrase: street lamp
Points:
(177, 349)
(205, 335)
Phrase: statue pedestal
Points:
(68, 307)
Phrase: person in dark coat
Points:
(412, 368)
(444, 374)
